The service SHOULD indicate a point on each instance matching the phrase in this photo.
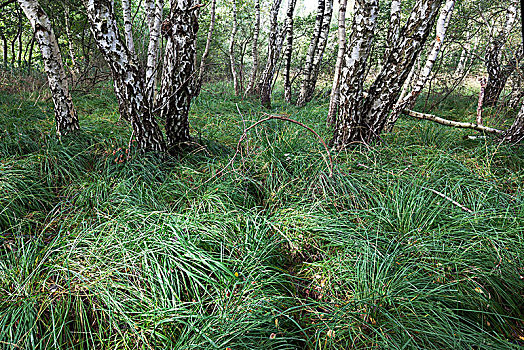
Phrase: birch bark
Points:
(256, 33)
(128, 82)
(289, 49)
(202, 69)
(335, 90)
(409, 100)
(232, 65)
(65, 114)
(156, 8)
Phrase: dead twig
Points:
(449, 199)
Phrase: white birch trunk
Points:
(409, 100)
(232, 65)
(65, 114)
(289, 49)
(128, 82)
(128, 26)
(155, 22)
(256, 32)
(202, 68)
(394, 26)
(335, 90)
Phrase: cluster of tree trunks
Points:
(315, 51)
(362, 119)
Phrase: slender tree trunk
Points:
(409, 101)
(201, 71)
(5, 46)
(394, 26)
(20, 48)
(273, 51)
(155, 8)
(256, 32)
(498, 73)
(65, 114)
(74, 68)
(128, 82)
(30, 54)
(304, 96)
(289, 49)
(515, 133)
(319, 54)
(232, 65)
(353, 72)
(362, 120)
(177, 80)
(128, 26)
(335, 90)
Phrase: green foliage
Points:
(104, 247)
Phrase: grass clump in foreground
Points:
(100, 253)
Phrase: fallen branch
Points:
(452, 123)
(449, 199)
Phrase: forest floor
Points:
(416, 242)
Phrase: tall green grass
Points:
(269, 253)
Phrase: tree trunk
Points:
(335, 90)
(155, 8)
(394, 26)
(497, 72)
(304, 96)
(353, 72)
(232, 65)
(256, 32)
(409, 101)
(515, 133)
(201, 71)
(319, 54)
(128, 26)
(30, 53)
(128, 82)
(289, 49)
(65, 114)
(273, 51)
(4, 40)
(177, 80)
(69, 35)
(362, 120)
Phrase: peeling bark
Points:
(362, 120)
(65, 114)
(179, 67)
(409, 100)
(353, 71)
(128, 82)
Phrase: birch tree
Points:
(179, 66)
(202, 69)
(315, 51)
(129, 85)
(498, 73)
(154, 14)
(409, 100)
(65, 114)
(232, 65)
(289, 49)
(335, 90)
(363, 119)
(273, 51)
(515, 133)
(256, 32)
